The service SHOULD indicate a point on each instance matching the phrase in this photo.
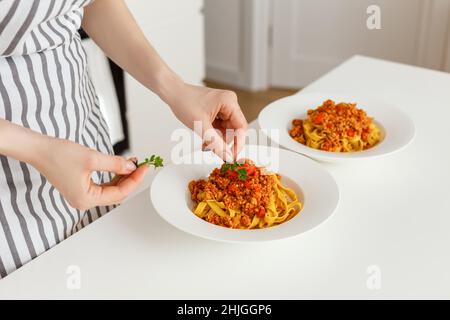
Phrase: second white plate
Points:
(398, 128)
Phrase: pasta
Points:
(336, 127)
(243, 196)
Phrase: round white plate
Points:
(397, 127)
(315, 187)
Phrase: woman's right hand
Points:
(69, 166)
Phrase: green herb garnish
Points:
(242, 174)
(236, 168)
(154, 160)
(229, 167)
(225, 167)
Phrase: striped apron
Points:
(44, 86)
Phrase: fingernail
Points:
(134, 160)
(131, 166)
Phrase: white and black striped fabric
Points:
(45, 86)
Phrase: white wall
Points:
(236, 33)
(223, 40)
(222, 34)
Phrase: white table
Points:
(394, 213)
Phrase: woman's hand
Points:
(69, 166)
(217, 110)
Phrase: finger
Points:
(134, 160)
(235, 152)
(236, 137)
(213, 140)
(128, 184)
(231, 112)
(103, 195)
(236, 120)
(240, 140)
(116, 164)
(119, 177)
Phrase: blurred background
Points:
(263, 50)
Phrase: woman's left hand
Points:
(217, 110)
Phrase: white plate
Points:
(397, 127)
(314, 185)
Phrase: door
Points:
(311, 37)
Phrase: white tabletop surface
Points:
(394, 214)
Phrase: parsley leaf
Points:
(154, 160)
(225, 167)
(242, 174)
(235, 167)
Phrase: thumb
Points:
(213, 140)
(116, 164)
